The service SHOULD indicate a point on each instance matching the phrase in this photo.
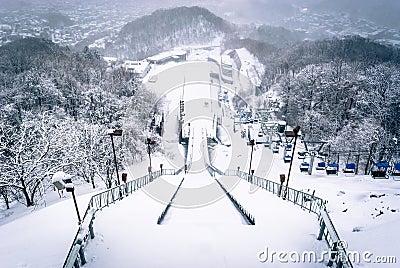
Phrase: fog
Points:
(382, 12)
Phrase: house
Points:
(164, 57)
(137, 68)
(111, 61)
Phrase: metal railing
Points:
(303, 199)
(245, 214)
(76, 256)
(337, 246)
(165, 211)
(311, 203)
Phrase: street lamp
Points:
(61, 181)
(291, 133)
(117, 133)
(71, 189)
(251, 143)
(149, 142)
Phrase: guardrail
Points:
(304, 200)
(337, 246)
(311, 203)
(179, 171)
(165, 211)
(76, 256)
(245, 214)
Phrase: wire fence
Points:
(76, 256)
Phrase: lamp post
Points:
(112, 133)
(71, 189)
(251, 143)
(149, 142)
(291, 133)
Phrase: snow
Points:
(223, 136)
(212, 235)
(60, 176)
(42, 238)
(137, 67)
(201, 217)
(354, 212)
(202, 228)
(251, 66)
(166, 55)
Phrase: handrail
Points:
(305, 200)
(331, 236)
(75, 256)
(312, 204)
(245, 214)
(165, 211)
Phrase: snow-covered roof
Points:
(166, 55)
(110, 59)
(225, 59)
(60, 176)
(136, 66)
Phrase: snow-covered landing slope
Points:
(127, 235)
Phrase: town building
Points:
(138, 68)
(164, 57)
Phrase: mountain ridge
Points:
(165, 29)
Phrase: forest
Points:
(56, 107)
(343, 91)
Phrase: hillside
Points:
(343, 91)
(168, 28)
(55, 102)
(348, 49)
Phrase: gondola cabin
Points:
(287, 158)
(304, 167)
(396, 172)
(321, 166)
(379, 170)
(332, 169)
(349, 169)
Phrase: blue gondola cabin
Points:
(332, 169)
(304, 167)
(379, 170)
(350, 169)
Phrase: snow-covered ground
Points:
(43, 237)
(366, 212)
(209, 236)
(251, 66)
